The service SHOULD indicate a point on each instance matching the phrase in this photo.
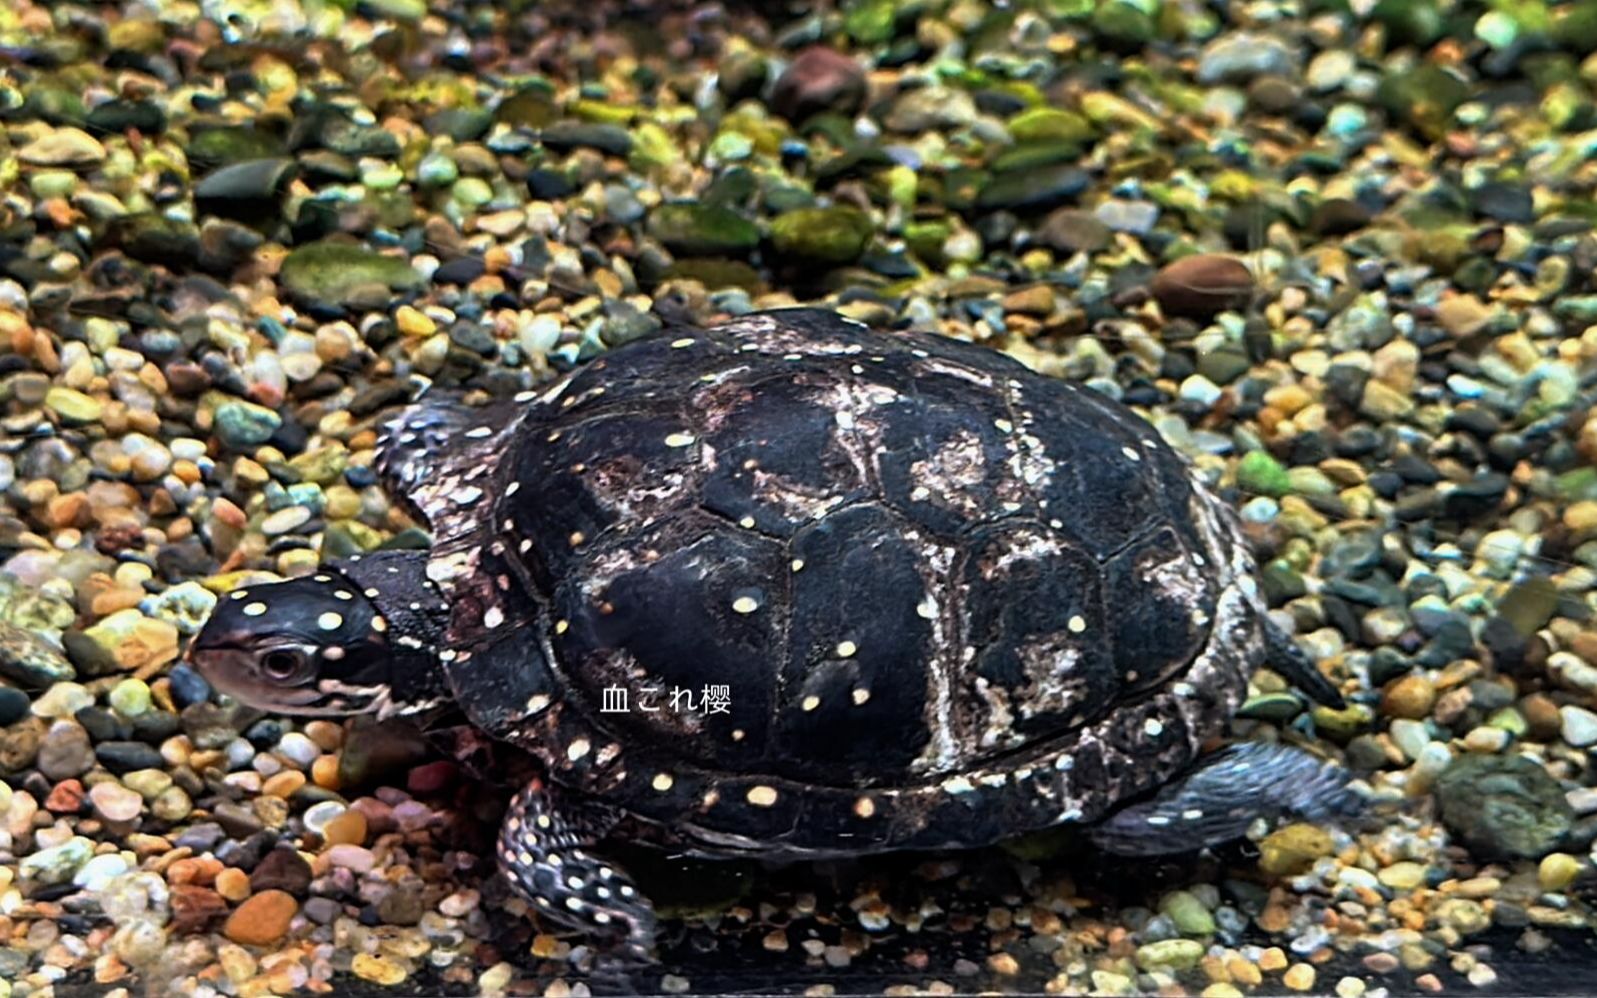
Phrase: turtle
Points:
(790, 587)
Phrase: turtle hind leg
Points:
(543, 845)
(1217, 801)
(1282, 654)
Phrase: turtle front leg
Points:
(1218, 800)
(543, 847)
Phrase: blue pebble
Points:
(188, 686)
(360, 476)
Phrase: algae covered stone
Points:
(824, 235)
(1504, 806)
(703, 230)
(330, 273)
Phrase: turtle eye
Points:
(282, 663)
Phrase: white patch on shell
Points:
(948, 475)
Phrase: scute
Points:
(856, 679)
(695, 604)
(1035, 611)
(776, 457)
(1163, 605)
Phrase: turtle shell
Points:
(791, 585)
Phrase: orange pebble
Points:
(283, 784)
(348, 828)
(325, 772)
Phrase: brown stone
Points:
(261, 920)
(348, 828)
(283, 870)
(818, 79)
(1199, 286)
(195, 908)
(1412, 697)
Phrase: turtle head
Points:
(322, 645)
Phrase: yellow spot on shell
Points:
(578, 749)
(762, 796)
(679, 440)
(811, 702)
(330, 621)
(1077, 624)
(685, 341)
(745, 604)
(861, 695)
(864, 807)
(663, 782)
(846, 649)
(254, 609)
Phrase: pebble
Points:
(115, 803)
(261, 920)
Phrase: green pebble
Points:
(437, 170)
(471, 192)
(1261, 474)
(72, 406)
(130, 697)
(1050, 124)
(383, 177)
(870, 22)
(53, 183)
(731, 146)
(1191, 918)
(1170, 954)
(245, 425)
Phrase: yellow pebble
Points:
(377, 969)
(233, 884)
(1557, 871)
(414, 322)
(1221, 990)
(1272, 959)
(1299, 977)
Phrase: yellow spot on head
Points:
(662, 782)
(762, 796)
(811, 702)
(578, 749)
(798, 564)
(330, 621)
(254, 609)
(861, 695)
(1077, 624)
(679, 440)
(864, 807)
(846, 649)
(685, 341)
(379, 624)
